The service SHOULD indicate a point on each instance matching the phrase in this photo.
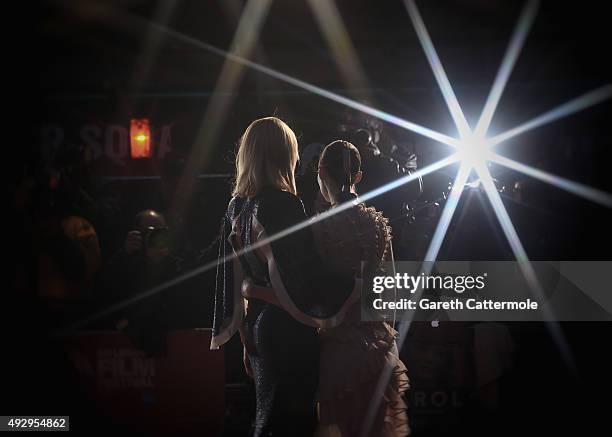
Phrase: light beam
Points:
(509, 60)
(337, 37)
(448, 212)
(523, 262)
(389, 118)
(578, 104)
(274, 237)
(438, 69)
(592, 194)
(243, 44)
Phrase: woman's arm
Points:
(245, 356)
(238, 279)
(266, 293)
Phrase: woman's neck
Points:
(335, 196)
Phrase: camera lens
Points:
(158, 238)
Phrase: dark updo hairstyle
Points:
(342, 161)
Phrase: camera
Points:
(155, 238)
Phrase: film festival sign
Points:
(475, 291)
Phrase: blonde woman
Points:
(281, 347)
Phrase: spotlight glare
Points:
(474, 150)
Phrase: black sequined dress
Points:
(284, 353)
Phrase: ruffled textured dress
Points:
(361, 378)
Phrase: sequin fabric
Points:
(284, 353)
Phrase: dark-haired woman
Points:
(361, 378)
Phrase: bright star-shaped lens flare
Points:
(474, 151)
(473, 147)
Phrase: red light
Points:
(140, 138)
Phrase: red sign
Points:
(140, 138)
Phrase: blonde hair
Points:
(267, 155)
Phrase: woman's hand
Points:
(250, 290)
(247, 288)
(247, 363)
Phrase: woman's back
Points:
(354, 239)
(354, 354)
(279, 346)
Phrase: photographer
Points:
(381, 169)
(144, 262)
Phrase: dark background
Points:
(82, 63)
